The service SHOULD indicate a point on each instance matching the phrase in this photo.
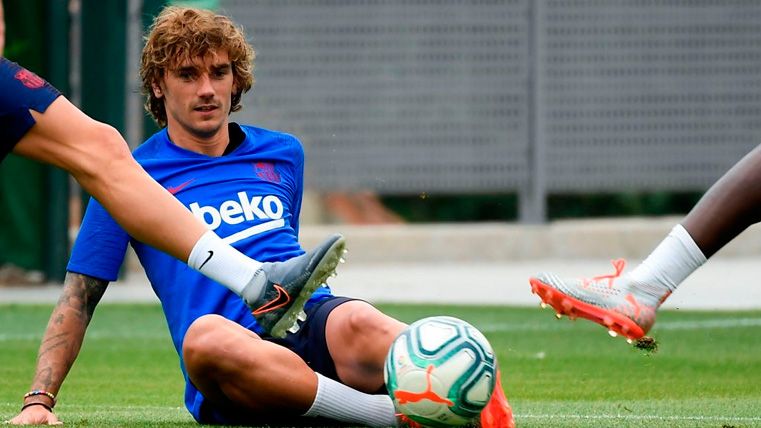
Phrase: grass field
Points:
(707, 372)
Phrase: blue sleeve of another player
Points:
(100, 246)
(298, 177)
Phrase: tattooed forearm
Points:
(66, 329)
(44, 378)
(51, 343)
(94, 291)
(80, 293)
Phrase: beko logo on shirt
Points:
(243, 209)
(237, 211)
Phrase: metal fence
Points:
(490, 96)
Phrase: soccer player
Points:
(246, 182)
(627, 304)
(38, 123)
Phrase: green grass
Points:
(707, 372)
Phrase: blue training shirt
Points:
(250, 197)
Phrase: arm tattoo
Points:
(81, 293)
(51, 343)
(44, 376)
(66, 329)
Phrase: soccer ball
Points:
(440, 372)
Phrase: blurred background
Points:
(442, 130)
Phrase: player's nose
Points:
(205, 88)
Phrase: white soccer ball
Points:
(440, 372)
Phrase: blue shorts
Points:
(308, 343)
(20, 90)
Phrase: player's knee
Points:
(112, 146)
(360, 344)
(359, 322)
(106, 150)
(202, 340)
(369, 326)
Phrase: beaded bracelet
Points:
(50, 395)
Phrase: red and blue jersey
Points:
(250, 197)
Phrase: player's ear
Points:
(157, 90)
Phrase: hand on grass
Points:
(35, 415)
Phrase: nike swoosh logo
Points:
(254, 230)
(211, 254)
(281, 300)
(174, 189)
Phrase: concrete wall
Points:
(632, 238)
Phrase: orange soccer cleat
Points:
(497, 413)
(608, 300)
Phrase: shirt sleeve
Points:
(298, 188)
(100, 246)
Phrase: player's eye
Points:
(220, 73)
(186, 75)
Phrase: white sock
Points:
(672, 261)
(219, 261)
(339, 402)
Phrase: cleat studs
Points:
(333, 274)
(341, 260)
(612, 333)
(294, 328)
(302, 316)
(543, 305)
(558, 315)
(629, 341)
(346, 251)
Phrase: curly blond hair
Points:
(181, 34)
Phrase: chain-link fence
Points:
(526, 97)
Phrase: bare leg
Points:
(236, 370)
(731, 205)
(359, 337)
(230, 364)
(99, 159)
